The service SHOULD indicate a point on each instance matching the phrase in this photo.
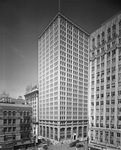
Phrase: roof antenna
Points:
(59, 5)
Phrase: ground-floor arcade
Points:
(61, 132)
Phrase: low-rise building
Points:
(5, 97)
(15, 126)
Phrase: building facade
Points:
(63, 54)
(105, 84)
(31, 98)
(15, 126)
(4, 97)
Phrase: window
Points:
(98, 52)
(5, 121)
(5, 113)
(98, 40)
(93, 42)
(21, 113)
(113, 77)
(112, 94)
(107, 95)
(108, 55)
(108, 34)
(108, 79)
(102, 95)
(113, 69)
(119, 93)
(118, 135)
(103, 37)
(14, 113)
(119, 101)
(108, 86)
(9, 129)
(14, 129)
(113, 52)
(120, 41)
(9, 113)
(5, 129)
(112, 110)
(14, 121)
(119, 67)
(108, 71)
(107, 102)
(108, 46)
(112, 101)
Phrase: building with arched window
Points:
(15, 125)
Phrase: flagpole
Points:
(59, 6)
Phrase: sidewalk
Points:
(61, 147)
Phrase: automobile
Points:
(78, 145)
(45, 146)
(43, 141)
(73, 143)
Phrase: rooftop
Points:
(13, 105)
(61, 15)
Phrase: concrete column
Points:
(45, 131)
(53, 133)
(58, 133)
(42, 130)
(71, 132)
(77, 131)
(49, 131)
(82, 131)
(65, 133)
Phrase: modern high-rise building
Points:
(105, 84)
(63, 59)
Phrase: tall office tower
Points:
(105, 84)
(63, 50)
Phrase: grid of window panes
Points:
(48, 72)
(73, 68)
(73, 72)
(32, 99)
(105, 71)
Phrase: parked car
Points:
(78, 145)
(73, 143)
(45, 146)
(43, 141)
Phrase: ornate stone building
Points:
(15, 126)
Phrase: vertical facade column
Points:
(65, 133)
(45, 131)
(49, 131)
(71, 132)
(58, 133)
(42, 130)
(82, 131)
(77, 131)
(53, 133)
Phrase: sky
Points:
(21, 23)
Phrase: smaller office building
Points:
(31, 98)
